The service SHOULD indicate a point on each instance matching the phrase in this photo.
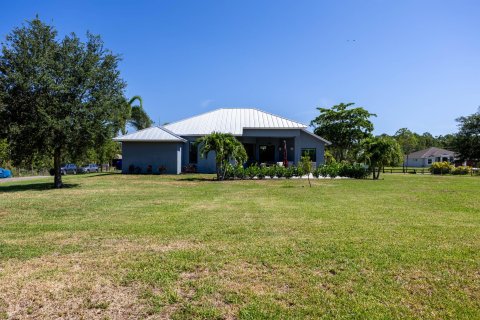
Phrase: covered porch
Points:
(268, 151)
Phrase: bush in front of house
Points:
(441, 168)
(279, 171)
(262, 172)
(271, 172)
(252, 171)
(462, 170)
(355, 171)
(239, 172)
(289, 172)
(332, 170)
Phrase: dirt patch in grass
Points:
(78, 285)
(69, 286)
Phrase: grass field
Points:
(117, 246)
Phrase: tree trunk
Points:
(57, 163)
(219, 171)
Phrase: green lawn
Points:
(119, 246)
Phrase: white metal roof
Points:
(231, 121)
(151, 134)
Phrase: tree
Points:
(226, 147)
(306, 167)
(59, 96)
(4, 157)
(138, 119)
(467, 141)
(407, 140)
(379, 152)
(343, 127)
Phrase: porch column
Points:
(296, 149)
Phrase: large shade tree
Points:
(467, 140)
(344, 127)
(226, 148)
(408, 140)
(378, 152)
(59, 96)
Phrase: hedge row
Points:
(355, 171)
(447, 168)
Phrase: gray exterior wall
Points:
(174, 155)
(204, 165)
(156, 154)
(305, 140)
(295, 138)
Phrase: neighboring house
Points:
(425, 158)
(171, 147)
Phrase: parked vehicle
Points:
(90, 168)
(69, 168)
(4, 173)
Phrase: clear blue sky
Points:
(414, 63)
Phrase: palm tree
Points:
(138, 119)
(226, 147)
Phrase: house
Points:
(171, 147)
(425, 158)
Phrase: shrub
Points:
(138, 170)
(162, 169)
(441, 168)
(131, 169)
(229, 171)
(333, 170)
(298, 171)
(289, 172)
(262, 172)
(317, 172)
(252, 171)
(461, 170)
(280, 171)
(239, 172)
(149, 169)
(355, 171)
(271, 172)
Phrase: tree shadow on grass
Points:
(39, 186)
(197, 179)
(102, 174)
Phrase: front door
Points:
(266, 154)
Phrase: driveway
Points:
(22, 178)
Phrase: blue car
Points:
(4, 173)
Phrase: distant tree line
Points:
(350, 131)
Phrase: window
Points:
(310, 152)
(429, 161)
(193, 153)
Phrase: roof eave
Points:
(148, 140)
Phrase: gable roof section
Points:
(152, 134)
(430, 152)
(231, 121)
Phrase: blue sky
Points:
(414, 63)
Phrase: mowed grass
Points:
(184, 247)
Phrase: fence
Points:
(407, 170)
